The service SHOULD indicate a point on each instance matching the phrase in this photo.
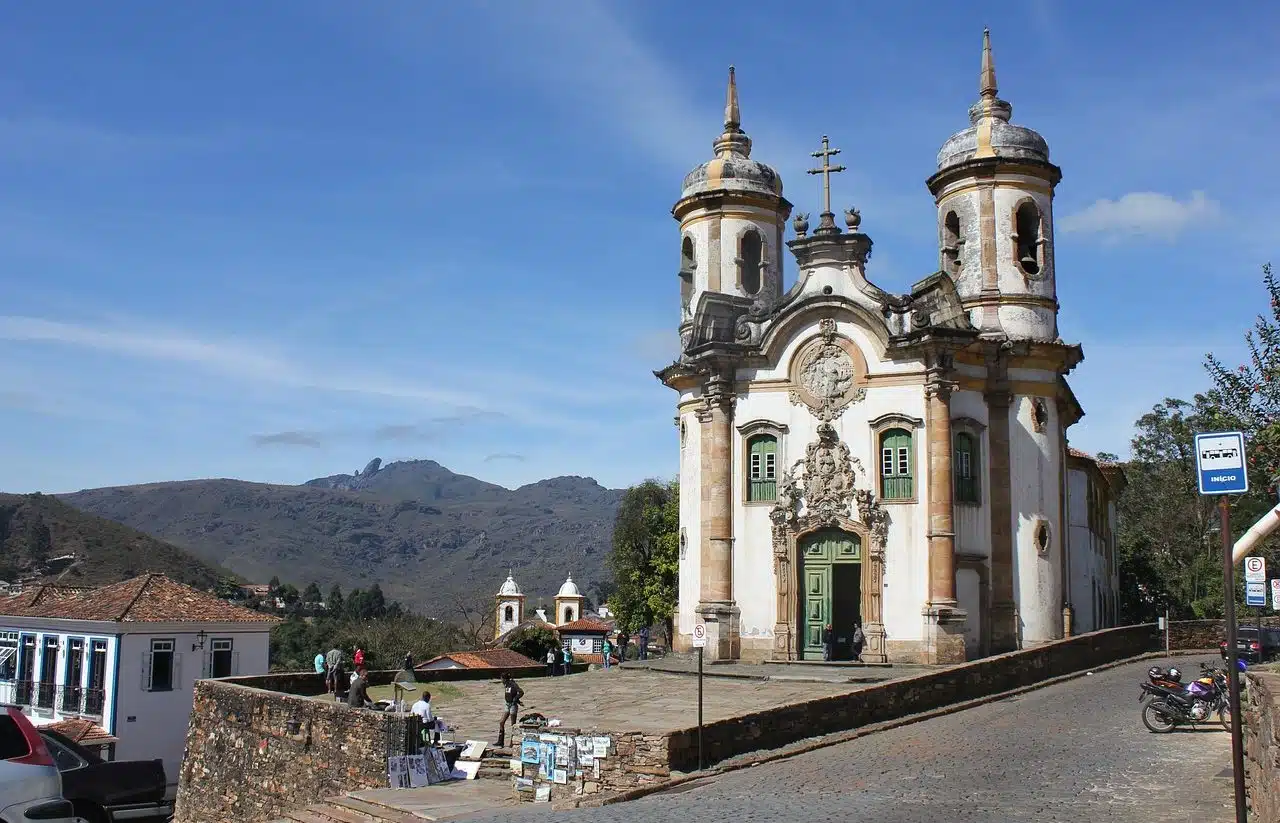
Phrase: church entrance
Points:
(831, 579)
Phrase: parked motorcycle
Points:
(1167, 703)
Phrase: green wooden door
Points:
(817, 608)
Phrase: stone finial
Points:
(987, 79)
(733, 140)
(800, 223)
(853, 218)
(732, 116)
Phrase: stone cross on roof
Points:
(827, 225)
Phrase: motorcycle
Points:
(1167, 703)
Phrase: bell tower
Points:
(994, 193)
(732, 215)
(509, 602)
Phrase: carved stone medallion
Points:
(826, 376)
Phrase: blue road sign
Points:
(1220, 463)
(1255, 594)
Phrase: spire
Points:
(986, 81)
(733, 140)
(732, 116)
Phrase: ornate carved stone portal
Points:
(826, 497)
(826, 376)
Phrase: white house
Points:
(1093, 564)
(125, 656)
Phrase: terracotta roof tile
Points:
(151, 598)
(82, 731)
(586, 624)
(485, 659)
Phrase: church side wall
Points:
(973, 524)
(1084, 562)
(690, 524)
(1036, 463)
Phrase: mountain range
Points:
(431, 538)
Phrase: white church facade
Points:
(850, 456)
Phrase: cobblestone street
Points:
(1068, 753)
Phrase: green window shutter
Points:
(965, 468)
(896, 460)
(762, 463)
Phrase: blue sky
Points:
(274, 240)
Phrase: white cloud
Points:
(1148, 214)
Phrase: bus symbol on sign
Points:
(1220, 463)
(699, 636)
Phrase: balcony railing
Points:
(70, 699)
(46, 694)
(94, 699)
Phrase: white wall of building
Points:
(153, 724)
(65, 703)
(1035, 463)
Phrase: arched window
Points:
(509, 614)
(965, 468)
(568, 614)
(951, 243)
(750, 253)
(895, 465)
(687, 267)
(762, 468)
(1027, 236)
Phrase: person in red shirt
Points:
(359, 658)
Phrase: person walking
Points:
(858, 641)
(512, 694)
(828, 642)
(551, 662)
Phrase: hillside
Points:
(38, 532)
(426, 534)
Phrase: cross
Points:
(826, 171)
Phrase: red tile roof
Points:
(151, 598)
(586, 624)
(484, 659)
(84, 732)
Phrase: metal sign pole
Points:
(701, 760)
(1233, 672)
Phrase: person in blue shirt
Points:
(320, 663)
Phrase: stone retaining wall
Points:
(1207, 634)
(789, 724)
(1261, 716)
(253, 754)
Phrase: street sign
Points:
(1220, 463)
(1255, 594)
(1275, 595)
(1255, 569)
(699, 636)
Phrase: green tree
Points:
(1167, 545)
(646, 556)
(533, 642)
(228, 588)
(334, 604)
(39, 539)
(1249, 394)
(311, 594)
(273, 585)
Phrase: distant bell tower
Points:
(732, 215)
(510, 605)
(994, 192)
(568, 603)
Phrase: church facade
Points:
(851, 456)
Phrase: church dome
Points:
(569, 589)
(990, 134)
(509, 588)
(732, 169)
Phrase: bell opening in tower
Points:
(751, 250)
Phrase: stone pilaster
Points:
(716, 607)
(944, 619)
(1004, 629)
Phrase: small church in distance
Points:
(850, 456)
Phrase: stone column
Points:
(944, 620)
(1004, 629)
(716, 607)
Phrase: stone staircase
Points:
(494, 765)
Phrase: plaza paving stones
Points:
(1076, 751)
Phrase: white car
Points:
(30, 784)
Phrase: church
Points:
(895, 461)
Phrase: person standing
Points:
(512, 694)
(567, 661)
(828, 642)
(859, 640)
(643, 651)
(319, 663)
(608, 651)
(551, 662)
(359, 658)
